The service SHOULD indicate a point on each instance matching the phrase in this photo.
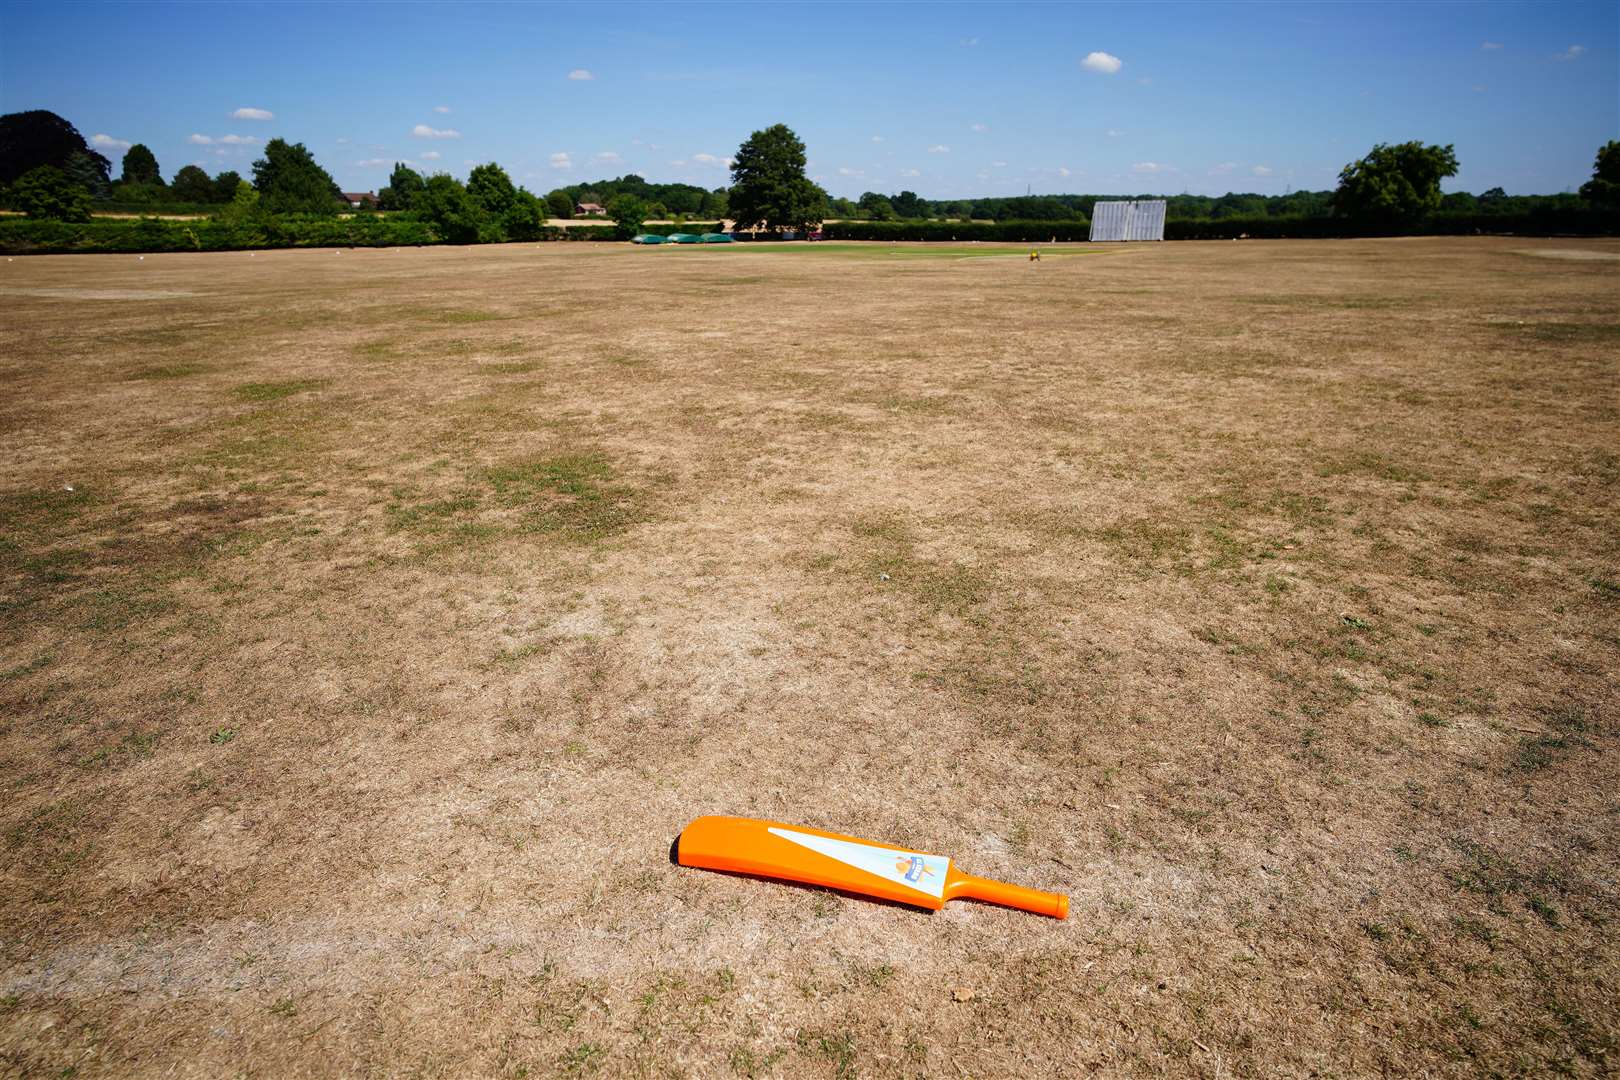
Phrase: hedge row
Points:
(1019, 231)
(21, 236)
(1545, 221)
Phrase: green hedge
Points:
(20, 236)
(699, 227)
(1544, 221)
(1019, 231)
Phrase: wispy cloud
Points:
(909, 172)
(1102, 63)
(877, 138)
(998, 164)
(422, 131)
(1223, 168)
(981, 128)
(443, 109)
(969, 42)
(1572, 53)
(1261, 170)
(561, 160)
(581, 75)
(607, 157)
(710, 159)
(376, 163)
(1063, 171)
(1113, 133)
(1489, 46)
(107, 142)
(246, 113)
(432, 155)
(939, 148)
(845, 170)
(1149, 167)
(223, 140)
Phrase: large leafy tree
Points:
(191, 184)
(290, 182)
(1604, 187)
(445, 203)
(908, 205)
(524, 219)
(491, 189)
(38, 137)
(405, 185)
(560, 204)
(89, 171)
(46, 192)
(140, 166)
(876, 207)
(769, 187)
(629, 214)
(225, 185)
(1394, 185)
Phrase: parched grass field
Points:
(370, 623)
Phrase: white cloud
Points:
(1223, 168)
(981, 128)
(1148, 167)
(999, 164)
(581, 75)
(1102, 63)
(1489, 45)
(710, 159)
(432, 155)
(1261, 170)
(194, 140)
(344, 141)
(1144, 82)
(422, 131)
(445, 109)
(1571, 53)
(679, 164)
(608, 157)
(1113, 133)
(561, 160)
(877, 138)
(109, 143)
(1062, 171)
(245, 113)
(373, 163)
(940, 148)
(237, 140)
(909, 172)
(844, 170)
(969, 42)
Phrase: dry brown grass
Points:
(1265, 597)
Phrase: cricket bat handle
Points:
(1014, 896)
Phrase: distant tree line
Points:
(50, 172)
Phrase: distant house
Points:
(586, 209)
(357, 199)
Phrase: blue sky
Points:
(948, 100)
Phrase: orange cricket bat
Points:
(794, 853)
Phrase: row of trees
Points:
(50, 171)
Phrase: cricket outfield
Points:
(370, 623)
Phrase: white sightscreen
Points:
(1139, 220)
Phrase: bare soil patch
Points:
(370, 626)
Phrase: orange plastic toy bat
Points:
(794, 853)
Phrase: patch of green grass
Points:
(1372, 463)
(160, 372)
(459, 316)
(1545, 911)
(575, 496)
(1560, 333)
(583, 1058)
(286, 1008)
(275, 391)
(223, 735)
